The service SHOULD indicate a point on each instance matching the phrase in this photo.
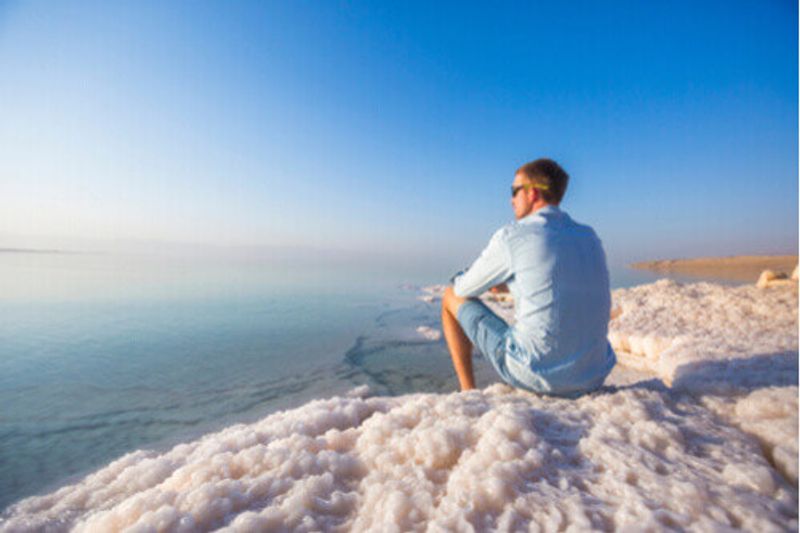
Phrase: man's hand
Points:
(499, 289)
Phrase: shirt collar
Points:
(548, 210)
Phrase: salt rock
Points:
(768, 414)
(495, 459)
(696, 334)
(429, 333)
(769, 278)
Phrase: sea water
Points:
(103, 354)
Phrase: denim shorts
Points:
(492, 336)
(489, 333)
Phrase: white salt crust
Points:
(693, 334)
(637, 457)
(496, 459)
(429, 333)
(770, 415)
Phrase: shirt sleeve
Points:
(491, 268)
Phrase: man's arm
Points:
(491, 268)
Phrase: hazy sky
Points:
(397, 126)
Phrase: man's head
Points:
(537, 184)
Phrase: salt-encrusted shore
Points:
(701, 435)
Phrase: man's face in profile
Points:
(522, 201)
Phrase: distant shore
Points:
(35, 251)
(735, 268)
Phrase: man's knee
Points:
(451, 301)
(448, 292)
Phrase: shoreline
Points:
(745, 268)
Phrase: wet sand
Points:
(745, 268)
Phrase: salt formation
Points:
(768, 278)
(770, 415)
(429, 333)
(432, 293)
(492, 459)
(721, 343)
(690, 335)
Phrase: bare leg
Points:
(457, 341)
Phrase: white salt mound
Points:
(492, 459)
(694, 334)
(768, 278)
(770, 415)
(429, 333)
(432, 293)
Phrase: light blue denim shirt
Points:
(556, 271)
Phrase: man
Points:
(556, 272)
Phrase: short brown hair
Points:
(548, 173)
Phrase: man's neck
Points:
(540, 205)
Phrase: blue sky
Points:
(395, 127)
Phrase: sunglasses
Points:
(515, 190)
